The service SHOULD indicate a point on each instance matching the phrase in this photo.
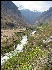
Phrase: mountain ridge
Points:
(29, 15)
(10, 16)
(44, 17)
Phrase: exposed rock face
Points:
(10, 16)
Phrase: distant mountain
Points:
(44, 17)
(30, 16)
(10, 16)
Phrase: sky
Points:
(34, 5)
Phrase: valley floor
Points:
(36, 54)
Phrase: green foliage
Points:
(17, 62)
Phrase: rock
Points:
(33, 32)
(48, 40)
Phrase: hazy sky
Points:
(34, 5)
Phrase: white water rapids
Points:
(19, 48)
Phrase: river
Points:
(19, 48)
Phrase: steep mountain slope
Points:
(29, 15)
(45, 16)
(10, 16)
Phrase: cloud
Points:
(34, 5)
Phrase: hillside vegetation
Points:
(36, 53)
